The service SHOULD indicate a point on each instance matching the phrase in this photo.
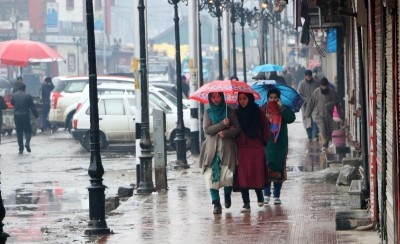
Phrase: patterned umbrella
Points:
(289, 96)
(230, 88)
(22, 52)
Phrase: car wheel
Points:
(85, 141)
(172, 141)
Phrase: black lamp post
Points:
(3, 235)
(215, 8)
(180, 127)
(97, 224)
(243, 13)
(77, 42)
(235, 14)
(146, 172)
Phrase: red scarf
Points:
(275, 119)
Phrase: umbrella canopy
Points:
(267, 68)
(289, 96)
(22, 52)
(230, 88)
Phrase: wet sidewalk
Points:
(183, 214)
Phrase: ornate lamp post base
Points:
(97, 224)
(146, 173)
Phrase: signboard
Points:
(52, 17)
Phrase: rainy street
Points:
(46, 200)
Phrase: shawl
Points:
(275, 119)
(249, 117)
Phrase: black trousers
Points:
(246, 197)
(23, 125)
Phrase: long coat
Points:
(251, 157)
(224, 146)
(305, 89)
(320, 108)
(277, 151)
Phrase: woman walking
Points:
(277, 147)
(250, 145)
(218, 153)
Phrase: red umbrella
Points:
(230, 88)
(22, 52)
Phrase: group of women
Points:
(248, 144)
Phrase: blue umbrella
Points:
(267, 68)
(289, 96)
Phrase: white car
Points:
(117, 121)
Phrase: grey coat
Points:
(227, 143)
(305, 89)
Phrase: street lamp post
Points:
(234, 17)
(97, 224)
(243, 12)
(146, 180)
(77, 42)
(180, 127)
(215, 8)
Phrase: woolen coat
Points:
(226, 144)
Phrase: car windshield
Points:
(172, 98)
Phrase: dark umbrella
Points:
(289, 96)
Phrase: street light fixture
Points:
(215, 8)
(146, 185)
(180, 127)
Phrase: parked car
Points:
(161, 98)
(116, 120)
(65, 96)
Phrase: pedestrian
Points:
(305, 89)
(320, 108)
(288, 78)
(218, 157)
(259, 76)
(17, 84)
(46, 88)
(3, 105)
(250, 144)
(185, 85)
(277, 78)
(23, 104)
(276, 150)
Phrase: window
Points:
(70, 4)
(113, 107)
(75, 86)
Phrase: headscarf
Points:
(249, 117)
(275, 117)
(217, 113)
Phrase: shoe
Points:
(260, 204)
(323, 149)
(310, 140)
(20, 152)
(217, 207)
(28, 148)
(277, 201)
(228, 201)
(246, 208)
(266, 200)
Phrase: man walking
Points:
(305, 89)
(23, 104)
(320, 108)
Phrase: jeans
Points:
(313, 131)
(277, 189)
(45, 117)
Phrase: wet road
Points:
(47, 201)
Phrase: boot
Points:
(228, 201)
(217, 207)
